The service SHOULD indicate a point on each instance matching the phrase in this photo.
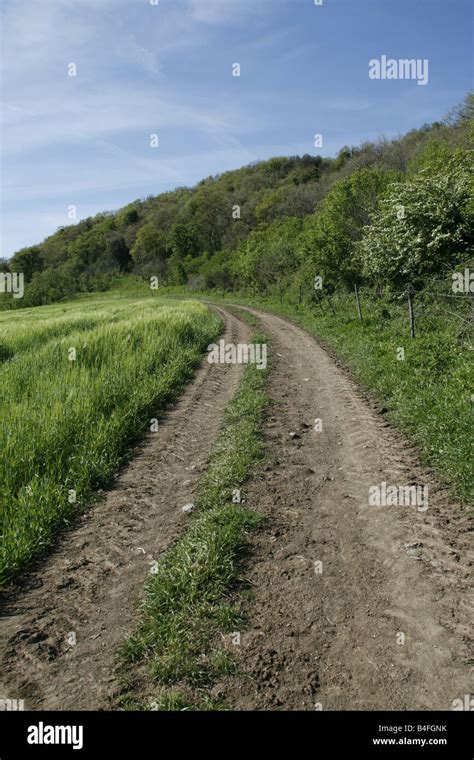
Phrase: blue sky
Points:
(167, 69)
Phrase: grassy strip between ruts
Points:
(177, 652)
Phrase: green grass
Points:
(193, 597)
(67, 426)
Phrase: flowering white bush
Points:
(424, 225)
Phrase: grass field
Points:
(80, 383)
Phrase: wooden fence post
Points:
(316, 294)
(410, 294)
(359, 310)
(281, 295)
(330, 304)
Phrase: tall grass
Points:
(67, 425)
(21, 330)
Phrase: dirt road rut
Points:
(383, 622)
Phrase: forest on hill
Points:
(386, 213)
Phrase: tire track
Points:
(386, 623)
(89, 587)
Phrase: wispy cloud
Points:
(92, 114)
(223, 11)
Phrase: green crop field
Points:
(80, 382)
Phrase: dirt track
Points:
(90, 585)
(328, 638)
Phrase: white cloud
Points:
(44, 106)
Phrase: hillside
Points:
(262, 224)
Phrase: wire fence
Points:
(436, 300)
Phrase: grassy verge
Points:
(178, 651)
(68, 419)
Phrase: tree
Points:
(269, 253)
(117, 251)
(151, 251)
(184, 241)
(218, 271)
(28, 261)
(128, 215)
(432, 158)
(87, 249)
(331, 235)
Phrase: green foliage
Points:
(331, 236)
(433, 158)
(117, 253)
(218, 271)
(85, 252)
(28, 261)
(269, 254)
(128, 215)
(150, 251)
(184, 240)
